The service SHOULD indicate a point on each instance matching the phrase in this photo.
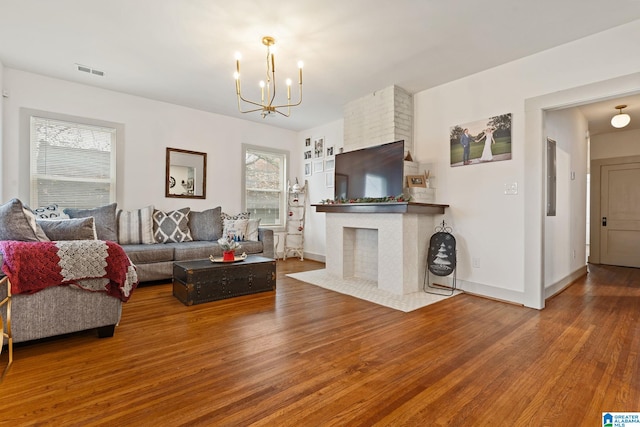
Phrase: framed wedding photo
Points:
(481, 141)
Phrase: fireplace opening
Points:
(360, 249)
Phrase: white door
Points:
(620, 210)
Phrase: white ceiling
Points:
(182, 51)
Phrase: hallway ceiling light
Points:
(620, 120)
(268, 87)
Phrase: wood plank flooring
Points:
(306, 356)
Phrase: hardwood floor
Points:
(305, 356)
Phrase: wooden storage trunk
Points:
(196, 282)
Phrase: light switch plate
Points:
(511, 189)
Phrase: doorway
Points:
(615, 209)
(535, 244)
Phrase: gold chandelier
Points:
(268, 87)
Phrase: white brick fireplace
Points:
(386, 244)
(389, 249)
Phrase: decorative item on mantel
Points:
(389, 199)
(420, 189)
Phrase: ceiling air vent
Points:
(90, 70)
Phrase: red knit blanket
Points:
(94, 265)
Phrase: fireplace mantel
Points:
(384, 207)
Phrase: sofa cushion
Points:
(105, 220)
(235, 228)
(251, 247)
(195, 250)
(145, 254)
(69, 229)
(187, 251)
(19, 223)
(171, 226)
(135, 226)
(206, 225)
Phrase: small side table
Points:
(4, 280)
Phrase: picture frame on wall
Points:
(481, 141)
(307, 169)
(307, 142)
(330, 164)
(330, 151)
(307, 154)
(318, 166)
(318, 148)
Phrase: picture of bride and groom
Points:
(481, 141)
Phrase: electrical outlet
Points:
(476, 262)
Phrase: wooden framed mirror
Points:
(186, 174)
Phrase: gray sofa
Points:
(154, 239)
(155, 261)
(54, 310)
(62, 309)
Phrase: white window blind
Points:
(264, 184)
(72, 164)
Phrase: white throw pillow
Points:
(252, 230)
(235, 228)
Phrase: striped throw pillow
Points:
(135, 227)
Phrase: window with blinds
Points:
(72, 164)
(265, 172)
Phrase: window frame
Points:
(26, 116)
(284, 175)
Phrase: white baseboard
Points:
(562, 284)
(315, 257)
(492, 292)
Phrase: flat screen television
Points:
(370, 172)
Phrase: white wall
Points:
(565, 233)
(506, 232)
(314, 233)
(150, 127)
(615, 144)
